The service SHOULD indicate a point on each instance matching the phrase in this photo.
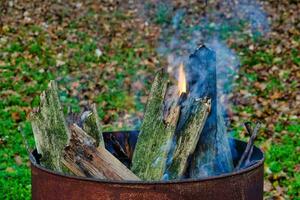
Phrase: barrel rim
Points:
(258, 164)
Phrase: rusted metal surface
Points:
(244, 184)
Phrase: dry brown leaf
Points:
(268, 187)
(18, 160)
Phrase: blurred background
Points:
(107, 52)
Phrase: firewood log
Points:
(187, 137)
(50, 130)
(89, 121)
(212, 155)
(156, 134)
(83, 158)
(91, 125)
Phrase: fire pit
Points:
(246, 183)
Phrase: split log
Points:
(187, 137)
(91, 125)
(156, 134)
(212, 155)
(83, 158)
(50, 130)
(89, 121)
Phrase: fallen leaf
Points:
(268, 186)
(276, 95)
(18, 160)
(9, 170)
(16, 116)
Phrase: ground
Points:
(104, 52)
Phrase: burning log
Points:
(188, 136)
(50, 130)
(83, 158)
(156, 134)
(212, 155)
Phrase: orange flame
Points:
(181, 80)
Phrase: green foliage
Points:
(295, 56)
(274, 83)
(282, 158)
(259, 57)
(35, 48)
(14, 47)
(163, 14)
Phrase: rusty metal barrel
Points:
(246, 184)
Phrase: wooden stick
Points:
(187, 138)
(50, 130)
(83, 158)
(156, 134)
(249, 148)
(255, 132)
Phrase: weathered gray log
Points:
(212, 155)
(223, 162)
(91, 125)
(187, 138)
(83, 158)
(156, 134)
(50, 130)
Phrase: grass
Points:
(30, 57)
(281, 160)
